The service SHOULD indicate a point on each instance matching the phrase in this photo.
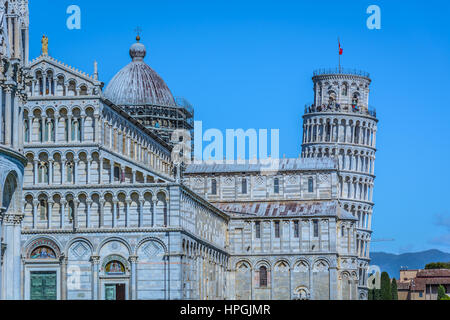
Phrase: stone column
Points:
(69, 128)
(133, 177)
(35, 213)
(114, 213)
(76, 204)
(44, 85)
(63, 261)
(63, 213)
(100, 170)
(8, 107)
(127, 205)
(11, 283)
(102, 215)
(49, 215)
(63, 170)
(30, 129)
(16, 122)
(83, 119)
(75, 170)
(88, 174)
(133, 291)
(96, 128)
(1, 121)
(50, 173)
(35, 169)
(95, 260)
(2, 247)
(154, 212)
(141, 213)
(88, 213)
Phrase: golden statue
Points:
(44, 42)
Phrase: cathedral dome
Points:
(137, 83)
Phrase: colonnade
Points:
(324, 129)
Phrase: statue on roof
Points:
(44, 42)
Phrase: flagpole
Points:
(339, 54)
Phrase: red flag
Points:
(340, 49)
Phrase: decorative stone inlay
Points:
(152, 249)
(80, 250)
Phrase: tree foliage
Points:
(438, 265)
(441, 293)
(385, 290)
(394, 289)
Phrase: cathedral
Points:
(93, 206)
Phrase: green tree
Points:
(441, 293)
(371, 294)
(377, 294)
(385, 290)
(394, 289)
(438, 265)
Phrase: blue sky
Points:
(248, 64)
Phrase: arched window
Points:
(116, 174)
(310, 185)
(9, 193)
(357, 132)
(277, 229)
(296, 229)
(355, 99)
(83, 91)
(71, 210)
(60, 86)
(331, 97)
(41, 130)
(262, 277)
(49, 131)
(316, 228)
(72, 90)
(258, 229)
(66, 129)
(43, 214)
(244, 186)
(213, 186)
(276, 185)
(328, 131)
(70, 167)
(76, 130)
(27, 130)
(43, 172)
(345, 89)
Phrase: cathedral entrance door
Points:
(43, 285)
(115, 291)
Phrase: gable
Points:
(58, 79)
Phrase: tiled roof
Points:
(426, 273)
(286, 208)
(260, 166)
(430, 277)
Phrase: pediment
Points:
(61, 73)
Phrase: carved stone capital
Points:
(133, 259)
(11, 218)
(95, 259)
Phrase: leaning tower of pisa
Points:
(341, 124)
